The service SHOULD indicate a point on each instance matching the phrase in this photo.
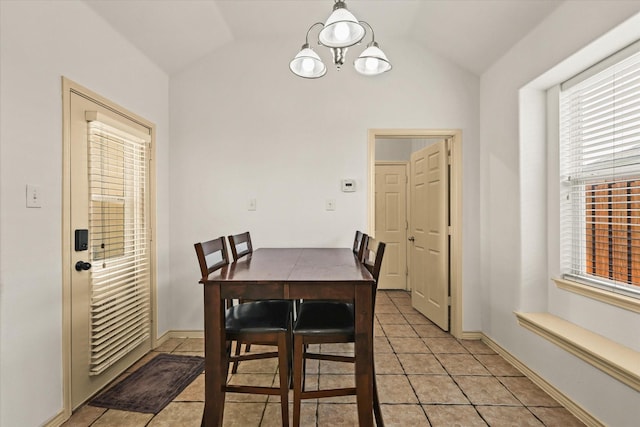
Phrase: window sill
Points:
(622, 301)
(616, 360)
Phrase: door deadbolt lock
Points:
(82, 265)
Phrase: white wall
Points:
(393, 150)
(40, 41)
(400, 149)
(515, 273)
(240, 132)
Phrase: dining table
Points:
(293, 274)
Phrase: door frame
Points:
(69, 87)
(455, 206)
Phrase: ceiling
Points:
(176, 33)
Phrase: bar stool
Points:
(258, 322)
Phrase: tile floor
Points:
(425, 378)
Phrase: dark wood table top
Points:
(307, 265)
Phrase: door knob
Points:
(411, 239)
(81, 265)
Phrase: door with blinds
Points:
(110, 259)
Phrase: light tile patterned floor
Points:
(425, 378)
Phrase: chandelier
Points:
(340, 31)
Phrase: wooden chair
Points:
(322, 322)
(212, 255)
(259, 322)
(240, 245)
(360, 243)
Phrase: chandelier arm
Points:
(373, 34)
(309, 30)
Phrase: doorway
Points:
(108, 254)
(449, 300)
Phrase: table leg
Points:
(215, 374)
(364, 354)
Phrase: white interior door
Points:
(429, 233)
(391, 223)
(110, 262)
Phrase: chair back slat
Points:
(374, 268)
(364, 247)
(357, 240)
(212, 255)
(240, 245)
(360, 243)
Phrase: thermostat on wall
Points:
(348, 185)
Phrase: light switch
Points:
(33, 196)
(251, 205)
(330, 205)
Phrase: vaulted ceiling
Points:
(175, 33)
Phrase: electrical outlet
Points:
(330, 205)
(33, 196)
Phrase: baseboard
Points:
(179, 334)
(571, 406)
(471, 335)
(57, 420)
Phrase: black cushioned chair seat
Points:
(258, 316)
(324, 317)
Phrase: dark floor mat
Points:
(153, 386)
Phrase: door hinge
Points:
(406, 224)
(406, 271)
(449, 301)
(449, 230)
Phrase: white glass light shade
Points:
(341, 29)
(372, 61)
(307, 64)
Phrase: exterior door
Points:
(109, 260)
(391, 223)
(429, 233)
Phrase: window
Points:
(600, 174)
(119, 244)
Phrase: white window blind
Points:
(600, 173)
(119, 243)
